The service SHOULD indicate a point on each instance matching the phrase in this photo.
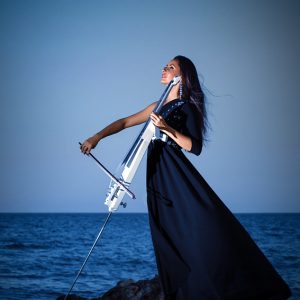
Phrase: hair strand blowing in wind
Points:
(192, 91)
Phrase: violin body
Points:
(134, 156)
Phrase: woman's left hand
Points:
(158, 121)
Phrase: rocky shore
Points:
(148, 289)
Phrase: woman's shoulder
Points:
(189, 107)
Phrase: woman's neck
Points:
(173, 93)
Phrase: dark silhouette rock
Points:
(130, 290)
(148, 289)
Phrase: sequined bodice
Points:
(173, 114)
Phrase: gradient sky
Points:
(69, 68)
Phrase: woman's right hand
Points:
(89, 144)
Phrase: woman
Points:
(201, 249)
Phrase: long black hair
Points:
(192, 91)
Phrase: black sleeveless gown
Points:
(202, 251)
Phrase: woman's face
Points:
(169, 72)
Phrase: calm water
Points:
(40, 254)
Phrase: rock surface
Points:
(148, 289)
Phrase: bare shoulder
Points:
(151, 106)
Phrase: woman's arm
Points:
(117, 126)
(182, 140)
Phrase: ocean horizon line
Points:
(66, 212)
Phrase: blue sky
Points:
(69, 68)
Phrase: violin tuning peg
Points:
(124, 204)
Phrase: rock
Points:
(149, 289)
(129, 289)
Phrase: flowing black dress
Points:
(202, 251)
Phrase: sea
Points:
(41, 253)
